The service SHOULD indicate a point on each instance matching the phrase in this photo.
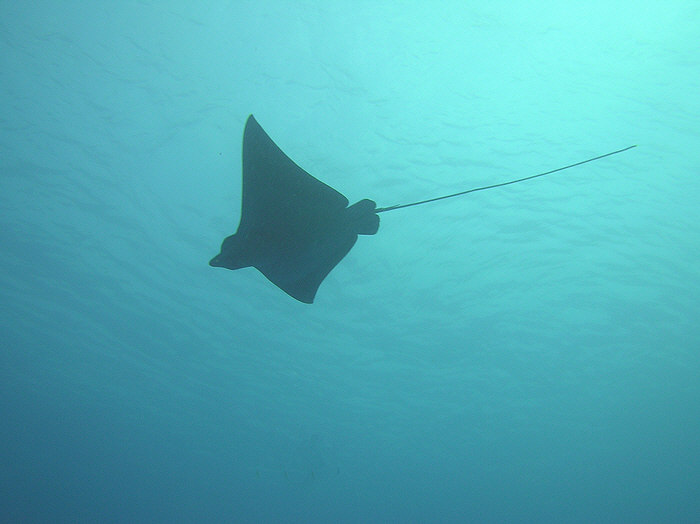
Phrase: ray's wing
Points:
(276, 191)
(301, 273)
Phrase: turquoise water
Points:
(527, 354)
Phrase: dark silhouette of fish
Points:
(295, 229)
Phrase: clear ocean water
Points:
(526, 354)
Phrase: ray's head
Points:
(231, 255)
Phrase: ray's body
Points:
(294, 229)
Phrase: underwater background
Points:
(525, 354)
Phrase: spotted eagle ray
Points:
(295, 229)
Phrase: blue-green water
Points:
(527, 354)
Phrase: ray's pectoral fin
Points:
(314, 251)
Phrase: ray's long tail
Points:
(399, 206)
